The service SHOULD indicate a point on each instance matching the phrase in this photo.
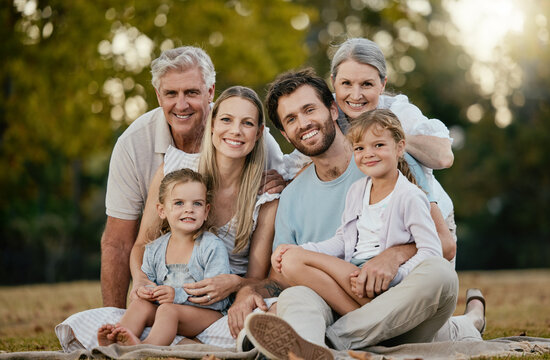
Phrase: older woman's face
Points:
(235, 128)
(358, 87)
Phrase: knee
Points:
(166, 309)
(298, 294)
(141, 304)
(291, 263)
(440, 277)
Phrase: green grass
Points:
(518, 303)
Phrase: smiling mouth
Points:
(356, 105)
(187, 219)
(233, 142)
(310, 134)
(183, 117)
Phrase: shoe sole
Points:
(275, 338)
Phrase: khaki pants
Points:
(412, 311)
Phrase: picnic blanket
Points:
(508, 346)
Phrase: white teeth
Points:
(182, 116)
(354, 105)
(310, 134)
(231, 142)
(187, 219)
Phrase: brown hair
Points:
(287, 83)
(183, 176)
(384, 119)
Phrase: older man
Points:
(184, 80)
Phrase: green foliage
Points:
(75, 74)
(71, 73)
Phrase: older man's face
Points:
(185, 101)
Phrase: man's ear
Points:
(284, 134)
(158, 97)
(334, 111)
(211, 92)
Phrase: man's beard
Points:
(328, 131)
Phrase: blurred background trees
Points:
(75, 74)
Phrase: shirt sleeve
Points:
(420, 176)
(414, 122)
(420, 225)
(123, 199)
(148, 266)
(216, 263)
(284, 234)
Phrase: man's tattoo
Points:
(273, 288)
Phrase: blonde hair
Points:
(251, 175)
(177, 177)
(384, 119)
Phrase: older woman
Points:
(358, 75)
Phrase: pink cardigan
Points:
(406, 220)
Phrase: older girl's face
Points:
(357, 87)
(235, 129)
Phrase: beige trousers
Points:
(412, 311)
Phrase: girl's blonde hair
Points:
(251, 175)
(177, 177)
(383, 119)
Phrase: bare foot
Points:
(103, 333)
(126, 337)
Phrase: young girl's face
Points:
(377, 153)
(235, 129)
(185, 207)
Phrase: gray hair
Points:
(183, 58)
(363, 51)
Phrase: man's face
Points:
(185, 101)
(308, 124)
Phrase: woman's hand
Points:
(164, 294)
(209, 291)
(277, 256)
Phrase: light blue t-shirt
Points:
(310, 210)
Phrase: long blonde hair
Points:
(385, 119)
(251, 175)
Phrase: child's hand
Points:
(277, 256)
(145, 292)
(164, 294)
(353, 282)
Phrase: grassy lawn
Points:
(518, 303)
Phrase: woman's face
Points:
(357, 87)
(235, 128)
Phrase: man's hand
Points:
(374, 277)
(376, 274)
(273, 183)
(277, 256)
(246, 301)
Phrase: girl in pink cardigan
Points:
(382, 210)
